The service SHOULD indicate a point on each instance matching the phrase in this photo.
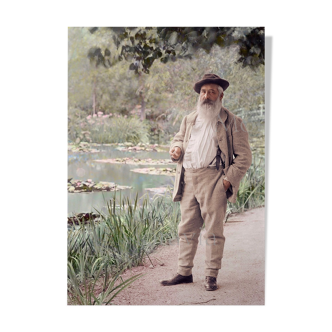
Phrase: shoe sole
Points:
(179, 283)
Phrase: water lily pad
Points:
(121, 148)
(107, 184)
(98, 186)
(160, 190)
(71, 189)
(136, 161)
(155, 171)
(69, 147)
(141, 147)
(77, 186)
(83, 147)
(118, 187)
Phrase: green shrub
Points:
(77, 125)
(117, 129)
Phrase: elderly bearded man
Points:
(212, 154)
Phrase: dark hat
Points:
(211, 78)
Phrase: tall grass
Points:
(138, 231)
(95, 284)
(123, 238)
(251, 192)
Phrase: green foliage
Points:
(105, 128)
(112, 90)
(77, 125)
(126, 234)
(251, 192)
(117, 130)
(143, 46)
(95, 286)
(123, 238)
(169, 88)
(166, 93)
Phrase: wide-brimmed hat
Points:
(211, 79)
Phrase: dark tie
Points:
(218, 161)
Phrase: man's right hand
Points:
(175, 152)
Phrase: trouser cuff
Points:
(184, 271)
(211, 273)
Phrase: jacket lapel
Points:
(190, 123)
(222, 135)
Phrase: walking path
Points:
(241, 279)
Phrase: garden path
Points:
(241, 279)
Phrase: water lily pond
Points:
(83, 166)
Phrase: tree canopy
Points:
(142, 46)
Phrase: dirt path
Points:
(241, 278)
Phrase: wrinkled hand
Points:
(175, 152)
(227, 184)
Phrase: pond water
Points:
(81, 166)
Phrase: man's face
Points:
(209, 104)
(209, 93)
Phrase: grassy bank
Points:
(122, 238)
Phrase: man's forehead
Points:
(210, 86)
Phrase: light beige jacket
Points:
(233, 142)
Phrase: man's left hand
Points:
(227, 184)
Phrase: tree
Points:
(93, 88)
(142, 46)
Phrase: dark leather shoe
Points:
(178, 279)
(210, 283)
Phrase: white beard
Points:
(209, 112)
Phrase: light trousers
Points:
(203, 201)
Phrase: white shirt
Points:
(203, 144)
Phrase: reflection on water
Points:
(81, 166)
